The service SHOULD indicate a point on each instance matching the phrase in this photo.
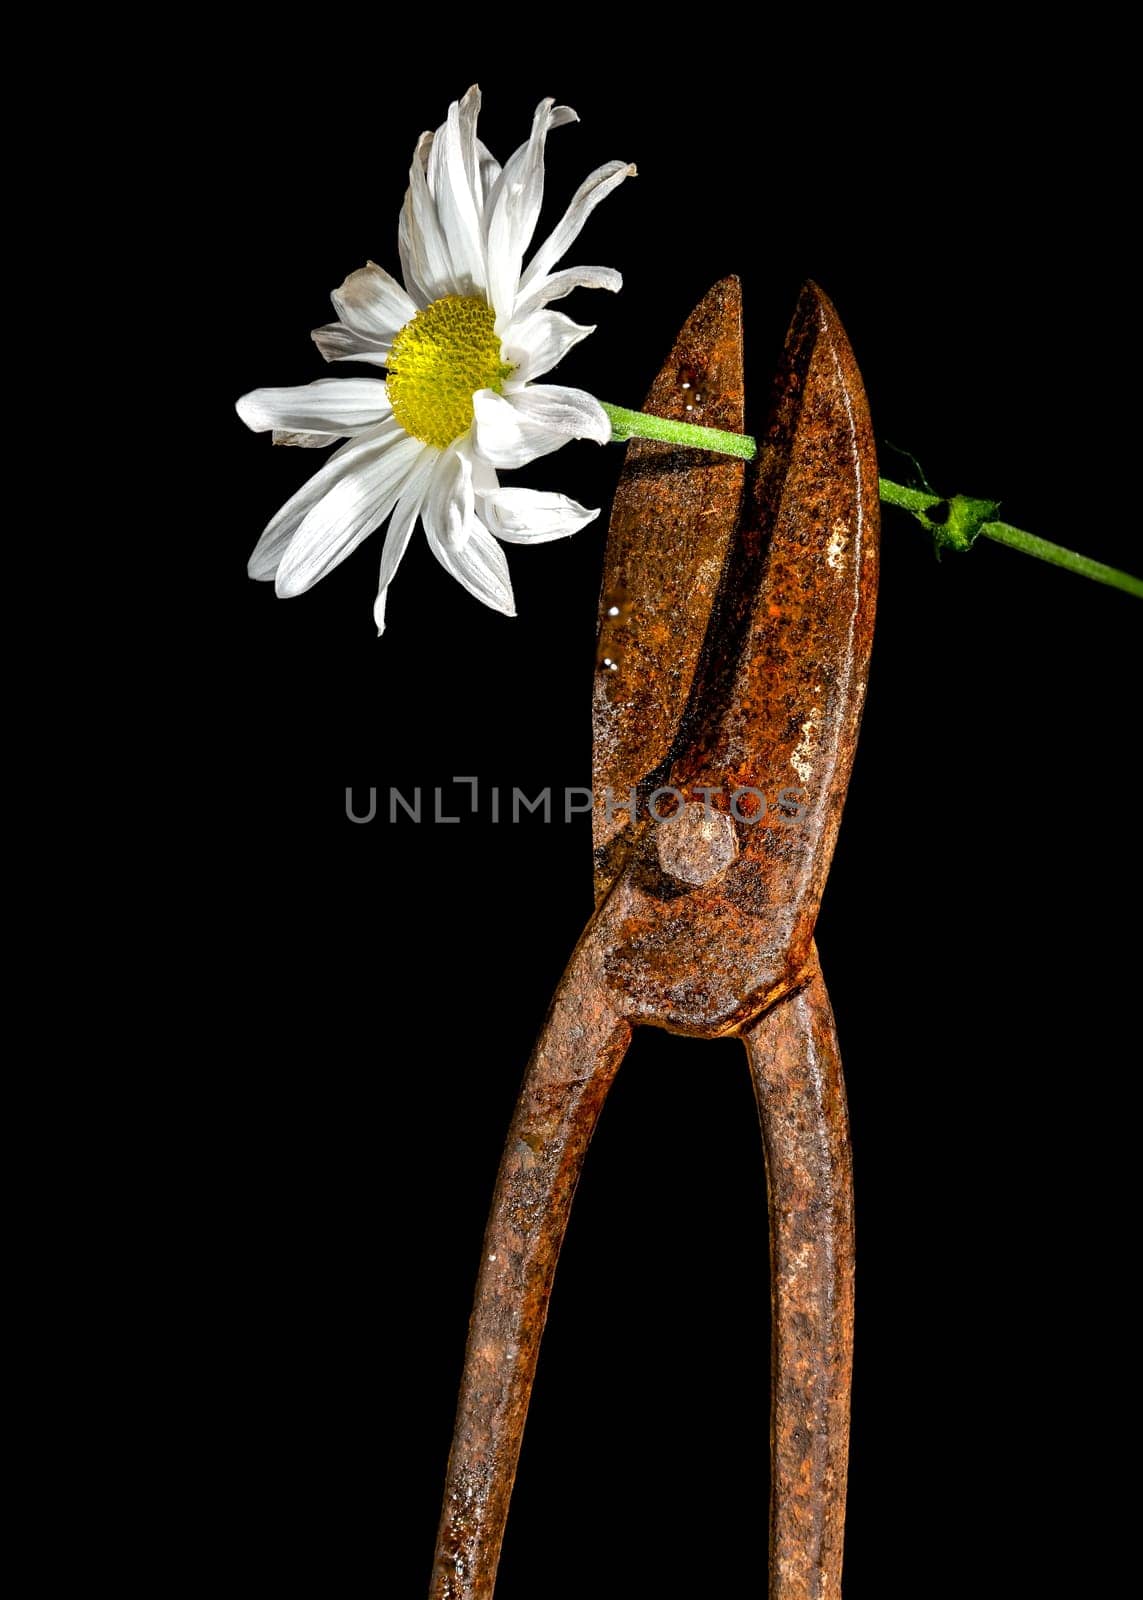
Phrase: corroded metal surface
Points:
(564, 1089)
(707, 906)
(796, 1069)
(672, 522)
(776, 706)
(696, 844)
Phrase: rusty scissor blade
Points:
(672, 522)
(773, 714)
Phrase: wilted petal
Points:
(558, 284)
(356, 504)
(401, 525)
(339, 343)
(567, 230)
(488, 170)
(509, 430)
(452, 179)
(572, 412)
(373, 304)
(513, 209)
(410, 262)
(271, 547)
(425, 259)
(532, 516)
(449, 503)
(304, 441)
(337, 406)
(481, 567)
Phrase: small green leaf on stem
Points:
(956, 524)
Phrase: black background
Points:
(378, 988)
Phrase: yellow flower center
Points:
(438, 361)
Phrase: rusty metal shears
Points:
(735, 626)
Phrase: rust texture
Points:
(734, 647)
(565, 1086)
(776, 706)
(671, 525)
(796, 1069)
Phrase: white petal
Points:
(531, 516)
(409, 263)
(347, 514)
(271, 547)
(488, 170)
(535, 344)
(450, 501)
(401, 525)
(513, 210)
(557, 284)
(336, 406)
(499, 434)
(468, 113)
(339, 343)
(484, 479)
(481, 567)
(572, 412)
(425, 259)
(569, 227)
(304, 441)
(511, 430)
(452, 179)
(373, 304)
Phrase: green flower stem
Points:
(896, 494)
(1072, 560)
(638, 425)
(959, 532)
(954, 524)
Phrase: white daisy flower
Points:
(462, 343)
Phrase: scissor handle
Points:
(565, 1086)
(796, 1069)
